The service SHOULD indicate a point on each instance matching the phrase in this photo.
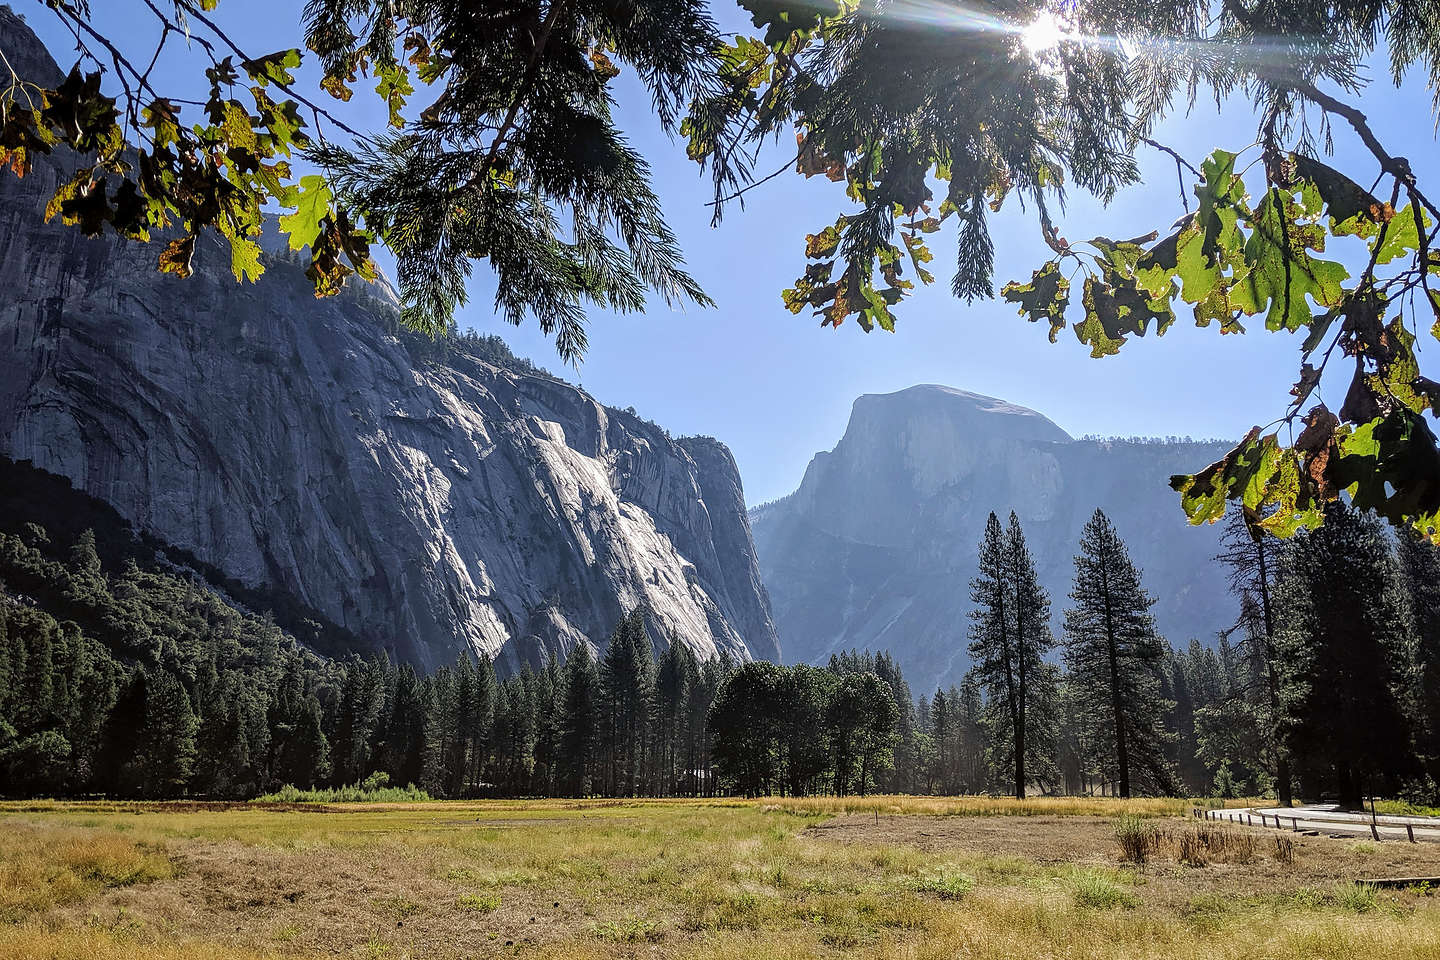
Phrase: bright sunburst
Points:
(1044, 33)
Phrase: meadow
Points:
(875, 877)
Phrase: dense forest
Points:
(126, 673)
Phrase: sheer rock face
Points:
(877, 547)
(430, 507)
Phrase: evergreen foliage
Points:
(1009, 637)
(1419, 563)
(1115, 659)
(1343, 642)
(142, 681)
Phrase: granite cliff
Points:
(877, 546)
(428, 498)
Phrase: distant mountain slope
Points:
(877, 546)
(427, 500)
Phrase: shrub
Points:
(1356, 897)
(1284, 850)
(373, 789)
(1139, 839)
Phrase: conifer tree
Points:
(461, 702)
(303, 752)
(1420, 578)
(1115, 656)
(548, 689)
(904, 775)
(121, 765)
(627, 679)
(434, 698)
(222, 749)
(403, 748)
(579, 722)
(170, 729)
(1240, 729)
(360, 709)
(1009, 636)
(9, 652)
(1341, 640)
(672, 678)
(941, 773)
(482, 713)
(704, 689)
(1189, 768)
(1249, 552)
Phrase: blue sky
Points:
(777, 387)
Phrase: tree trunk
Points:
(1020, 699)
(1122, 754)
(1282, 759)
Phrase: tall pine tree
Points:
(1009, 636)
(1115, 656)
(579, 722)
(1341, 640)
(1420, 578)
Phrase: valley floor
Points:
(880, 877)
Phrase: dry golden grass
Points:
(984, 806)
(671, 879)
(41, 868)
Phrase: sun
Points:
(1044, 33)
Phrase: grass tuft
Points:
(1355, 897)
(1202, 843)
(946, 886)
(628, 930)
(1139, 839)
(479, 902)
(1094, 890)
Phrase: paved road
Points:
(1329, 819)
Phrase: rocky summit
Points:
(429, 498)
(876, 548)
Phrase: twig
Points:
(1397, 167)
(224, 38)
(1180, 164)
(751, 186)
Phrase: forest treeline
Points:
(126, 681)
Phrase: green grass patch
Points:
(628, 930)
(1404, 808)
(479, 902)
(1095, 890)
(945, 885)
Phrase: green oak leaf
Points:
(1045, 297)
(1281, 275)
(1353, 210)
(1391, 465)
(1402, 236)
(245, 259)
(312, 201)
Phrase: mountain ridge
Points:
(425, 499)
(876, 547)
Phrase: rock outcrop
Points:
(426, 498)
(877, 547)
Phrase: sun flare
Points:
(1044, 33)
